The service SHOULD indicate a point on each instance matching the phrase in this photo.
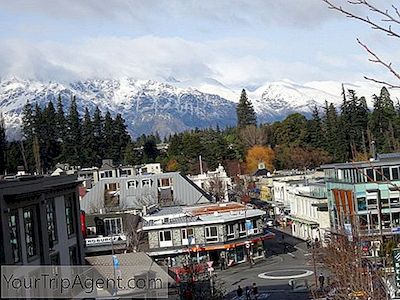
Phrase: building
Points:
(215, 182)
(154, 168)
(285, 181)
(135, 192)
(206, 232)
(309, 212)
(364, 200)
(40, 221)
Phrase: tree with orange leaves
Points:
(257, 154)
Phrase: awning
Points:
(267, 236)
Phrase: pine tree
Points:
(98, 131)
(245, 111)
(382, 122)
(335, 139)
(73, 142)
(28, 121)
(49, 144)
(3, 145)
(316, 137)
(61, 123)
(130, 155)
(108, 134)
(121, 138)
(88, 140)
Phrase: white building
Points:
(217, 182)
(309, 211)
(154, 168)
(284, 182)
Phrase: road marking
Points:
(269, 275)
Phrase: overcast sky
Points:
(240, 43)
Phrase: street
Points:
(272, 274)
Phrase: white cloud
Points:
(282, 12)
(150, 57)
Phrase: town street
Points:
(279, 265)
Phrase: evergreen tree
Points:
(150, 151)
(382, 122)
(98, 131)
(316, 136)
(245, 111)
(3, 145)
(73, 144)
(335, 143)
(131, 157)
(28, 129)
(121, 138)
(61, 123)
(28, 123)
(88, 140)
(108, 134)
(49, 144)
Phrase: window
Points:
(372, 203)
(211, 234)
(126, 172)
(385, 203)
(378, 174)
(187, 233)
(30, 238)
(370, 175)
(147, 183)
(164, 182)
(242, 229)
(69, 215)
(255, 227)
(51, 223)
(111, 194)
(14, 236)
(395, 173)
(230, 231)
(362, 203)
(188, 236)
(165, 238)
(132, 184)
(106, 174)
(113, 226)
(73, 256)
(394, 202)
(386, 173)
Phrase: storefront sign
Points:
(396, 263)
(104, 240)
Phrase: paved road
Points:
(275, 265)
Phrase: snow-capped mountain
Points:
(147, 106)
(278, 99)
(171, 106)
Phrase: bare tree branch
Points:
(385, 13)
(378, 60)
(375, 25)
(389, 85)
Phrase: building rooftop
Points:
(200, 214)
(31, 184)
(384, 159)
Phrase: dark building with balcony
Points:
(40, 221)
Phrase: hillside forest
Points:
(57, 134)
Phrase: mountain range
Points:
(171, 106)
